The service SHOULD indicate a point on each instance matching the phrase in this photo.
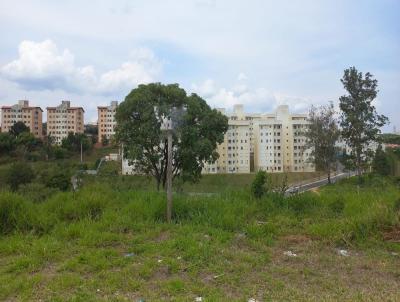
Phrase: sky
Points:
(257, 53)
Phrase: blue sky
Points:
(258, 53)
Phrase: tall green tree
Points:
(48, 142)
(26, 143)
(18, 128)
(194, 140)
(74, 140)
(322, 135)
(359, 120)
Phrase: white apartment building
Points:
(280, 142)
(270, 142)
(106, 121)
(64, 119)
(234, 151)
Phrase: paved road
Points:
(317, 183)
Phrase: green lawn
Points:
(110, 243)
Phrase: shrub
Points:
(303, 203)
(337, 206)
(82, 166)
(18, 174)
(15, 213)
(34, 156)
(36, 192)
(60, 153)
(58, 177)
(59, 180)
(259, 184)
(109, 168)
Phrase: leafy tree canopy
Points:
(28, 140)
(390, 138)
(359, 120)
(74, 140)
(194, 140)
(7, 143)
(18, 128)
(19, 173)
(322, 136)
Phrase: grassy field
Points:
(209, 183)
(108, 242)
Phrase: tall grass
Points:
(341, 213)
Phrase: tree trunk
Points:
(359, 167)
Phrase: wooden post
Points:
(169, 177)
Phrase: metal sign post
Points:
(169, 125)
(169, 177)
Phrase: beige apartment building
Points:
(280, 144)
(234, 151)
(64, 119)
(106, 121)
(22, 112)
(270, 142)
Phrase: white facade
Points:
(270, 142)
(280, 142)
(234, 151)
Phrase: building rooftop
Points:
(69, 108)
(30, 107)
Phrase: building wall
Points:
(22, 112)
(234, 152)
(271, 142)
(106, 121)
(64, 119)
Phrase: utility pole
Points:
(169, 177)
(169, 125)
(81, 152)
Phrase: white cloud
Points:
(242, 76)
(205, 89)
(42, 66)
(254, 100)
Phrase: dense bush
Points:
(259, 184)
(60, 153)
(56, 177)
(337, 206)
(36, 192)
(18, 174)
